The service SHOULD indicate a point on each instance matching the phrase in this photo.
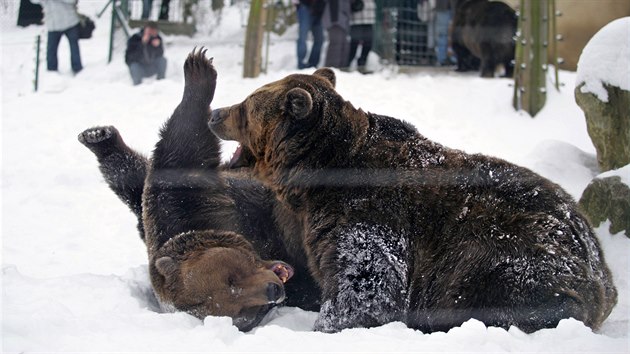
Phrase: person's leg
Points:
(161, 67)
(318, 40)
(441, 32)
(75, 53)
(366, 44)
(304, 23)
(137, 73)
(164, 9)
(51, 50)
(146, 9)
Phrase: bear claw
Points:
(199, 73)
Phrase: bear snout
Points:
(217, 116)
(275, 293)
(217, 123)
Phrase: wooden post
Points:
(252, 60)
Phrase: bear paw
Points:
(99, 140)
(200, 75)
(97, 135)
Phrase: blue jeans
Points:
(307, 23)
(54, 37)
(442, 20)
(139, 71)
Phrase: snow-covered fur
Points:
(400, 228)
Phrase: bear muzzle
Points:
(219, 124)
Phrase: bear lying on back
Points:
(207, 229)
(400, 228)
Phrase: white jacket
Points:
(59, 15)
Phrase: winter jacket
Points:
(138, 52)
(59, 15)
(367, 16)
(337, 13)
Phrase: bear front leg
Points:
(123, 169)
(366, 283)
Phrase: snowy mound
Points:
(606, 60)
(622, 172)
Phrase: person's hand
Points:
(155, 42)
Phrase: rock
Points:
(608, 125)
(608, 198)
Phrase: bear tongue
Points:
(234, 161)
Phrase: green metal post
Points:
(38, 41)
(112, 28)
(532, 52)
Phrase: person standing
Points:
(61, 18)
(309, 15)
(336, 19)
(443, 15)
(145, 54)
(361, 32)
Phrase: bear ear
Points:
(298, 103)
(166, 266)
(327, 74)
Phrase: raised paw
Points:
(200, 75)
(101, 140)
(97, 134)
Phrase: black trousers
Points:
(360, 34)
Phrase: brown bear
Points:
(400, 228)
(483, 35)
(207, 229)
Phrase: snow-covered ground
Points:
(74, 275)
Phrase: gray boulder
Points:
(608, 198)
(608, 125)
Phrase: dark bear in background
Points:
(207, 229)
(400, 228)
(483, 35)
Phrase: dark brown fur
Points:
(483, 32)
(205, 228)
(400, 228)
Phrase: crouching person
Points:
(145, 54)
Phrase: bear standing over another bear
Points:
(399, 228)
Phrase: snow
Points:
(621, 172)
(74, 275)
(605, 60)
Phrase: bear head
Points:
(215, 273)
(297, 122)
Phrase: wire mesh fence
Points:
(403, 33)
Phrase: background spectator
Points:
(309, 15)
(61, 18)
(361, 32)
(145, 54)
